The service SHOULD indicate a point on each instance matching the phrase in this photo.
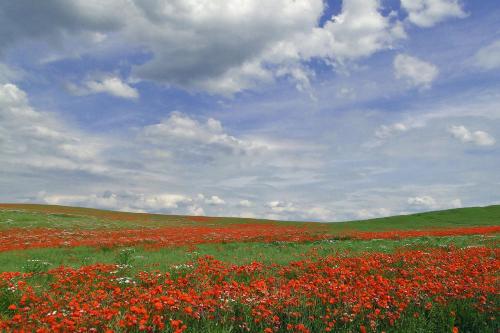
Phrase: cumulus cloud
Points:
(416, 72)
(427, 13)
(215, 201)
(281, 206)
(111, 85)
(245, 203)
(195, 210)
(488, 57)
(358, 31)
(479, 138)
(162, 201)
(197, 135)
(424, 201)
(206, 45)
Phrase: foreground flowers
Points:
(449, 289)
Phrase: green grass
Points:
(61, 217)
(238, 253)
(451, 218)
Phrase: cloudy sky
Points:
(303, 110)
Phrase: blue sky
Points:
(300, 110)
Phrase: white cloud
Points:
(287, 210)
(247, 215)
(163, 201)
(387, 131)
(196, 210)
(370, 213)
(12, 96)
(345, 92)
(281, 206)
(479, 138)
(215, 201)
(358, 31)
(318, 213)
(195, 134)
(111, 85)
(245, 203)
(423, 201)
(456, 203)
(416, 72)
(427, 13)
(488, 57)
(8, 74)
(427, 202)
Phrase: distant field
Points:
(39, 216)
(427, 272)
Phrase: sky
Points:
(295, 110)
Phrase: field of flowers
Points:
(438, 279)
(15, 239)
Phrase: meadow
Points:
(68, 269)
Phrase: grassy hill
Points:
(52, 216)
(450, 218)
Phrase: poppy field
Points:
(66, 269)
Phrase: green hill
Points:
(50, 216)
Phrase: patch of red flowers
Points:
(16, 239)
(366, 293)
(400, 234)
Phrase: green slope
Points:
(451, 218)
(48, 216)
